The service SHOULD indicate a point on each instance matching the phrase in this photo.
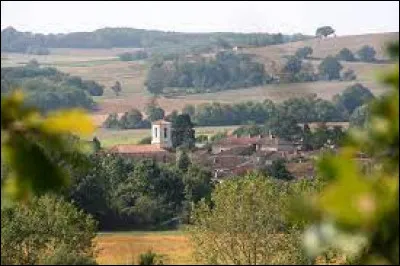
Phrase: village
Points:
(230, 156)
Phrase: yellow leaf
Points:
(33, 118)
(17, 96)
(69, 121)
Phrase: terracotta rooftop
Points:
(234, 140)
(132, 149)
(161, 122)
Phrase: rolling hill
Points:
(103, 66)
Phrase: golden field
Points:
(124, 248)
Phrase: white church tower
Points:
(161, 134)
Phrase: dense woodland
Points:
(231, 70)
(123, 194)
(226, 71)
(23, 42)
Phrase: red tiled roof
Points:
(132, 148)
(234, 140)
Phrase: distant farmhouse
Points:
(237, 48)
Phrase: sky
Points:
(346, 17)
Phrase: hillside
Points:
(103, 66)
(329, 46)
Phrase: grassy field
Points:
(109, 138)
(125, 247)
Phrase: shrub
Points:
(202, 138)
(145, 140)
(139, 55)
(65, 256)
(151, 258)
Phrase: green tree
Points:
(304, 52)
(198, 184)
(172, 116)
(154, 112)
(285, 127)
(183, 161)
(132, 119)
(353, 97)
(293, 65)
(278, 170)
(150, 195)
(346, 55)
(330, 68)
(31, 232)
(93, 88)
(307, 138)
(155, 81)
(324, 31)
(246, 225)
(111, 121)
(367, 53)
(183, 133)
(359, 116)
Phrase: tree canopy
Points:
(346, 55)
(324, 31)
(367, 53)
(354, 96)
(330, 68)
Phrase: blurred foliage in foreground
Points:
(38, 150)
(357, 212)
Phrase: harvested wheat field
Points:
(124, 248)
